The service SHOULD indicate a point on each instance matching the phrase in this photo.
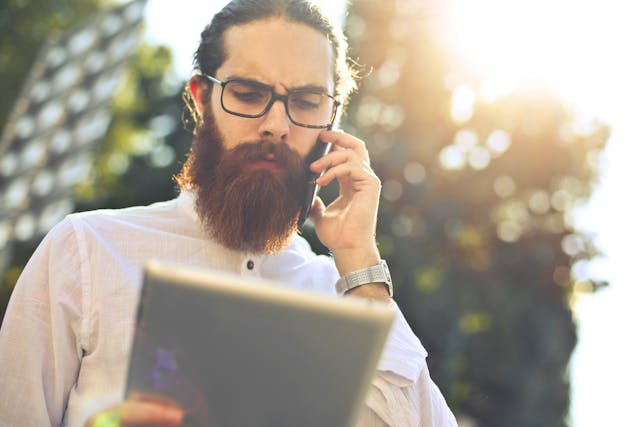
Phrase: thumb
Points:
(317, 209)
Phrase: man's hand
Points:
(348, 225)
(139, 412)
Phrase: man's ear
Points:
(198, 92)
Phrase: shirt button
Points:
(250, 265)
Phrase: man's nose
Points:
(275, 123)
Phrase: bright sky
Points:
(588, 49)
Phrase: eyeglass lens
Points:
(304, 107)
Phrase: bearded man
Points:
(270, 78)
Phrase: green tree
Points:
(146, 141)
(475, 215)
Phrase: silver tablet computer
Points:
(241, 353)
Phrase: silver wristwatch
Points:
(377, 274)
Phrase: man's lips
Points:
(268, 164)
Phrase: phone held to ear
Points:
(319, 149)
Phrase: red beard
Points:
(243, 207)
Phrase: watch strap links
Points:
(378, 273)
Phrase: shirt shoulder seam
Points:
(83, 266)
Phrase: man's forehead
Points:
(278, 52)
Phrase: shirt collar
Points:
(186, 202)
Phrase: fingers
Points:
(317, 208)
(336, 158)
(144, 413)
(359, 176)
(139, 413)
(348, 159)
(345, 141)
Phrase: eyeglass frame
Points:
(274, 97)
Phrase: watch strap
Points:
(378, 273)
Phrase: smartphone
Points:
(311, 191)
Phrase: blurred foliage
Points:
(146, 142)
(475, 216)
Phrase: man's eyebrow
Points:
(307, 87)
(310, 88)
(246, 79)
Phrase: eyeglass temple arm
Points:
(198, 72)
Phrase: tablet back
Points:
(242, 353)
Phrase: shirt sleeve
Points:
(403, 353)
(396, 401)
(40, 348)
(402, 392)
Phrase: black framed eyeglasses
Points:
(309, 108)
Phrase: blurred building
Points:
(59, 120)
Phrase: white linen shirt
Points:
(66, 335)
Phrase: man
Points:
(270, 78)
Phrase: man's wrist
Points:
(350, 260)
(375, 291)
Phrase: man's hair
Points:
(211, 52)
